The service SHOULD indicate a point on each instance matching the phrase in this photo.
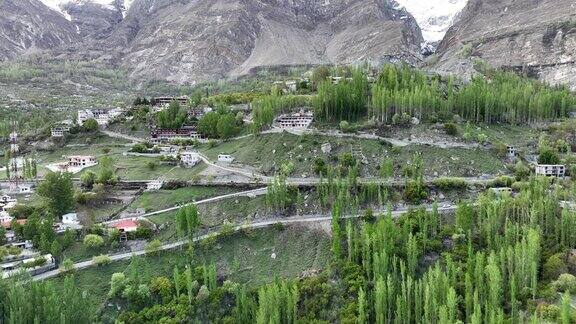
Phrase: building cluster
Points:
(74, 164)
(297, 121)
(27, 261)
(102, 116)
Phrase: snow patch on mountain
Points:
(433, 16)
(57, 5)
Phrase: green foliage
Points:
(58, 193)
(43, 302)
(90, 125)
(101, 260)
(451, 129)
(548, 156)
(172, 117)
(265, 109)
(343, 101)
(554, 267)
(93, 241)
(493, 97)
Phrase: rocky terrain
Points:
(534, 37)
(28, 25)
(191, 41)
(217, 38)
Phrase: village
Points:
(176, 144)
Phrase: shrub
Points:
(153, 247)
(101, 260)
(67, 266)
(554, 267)
(451, 129)
(565, 282)
(450, 183)
(548, 156)
(93, 241)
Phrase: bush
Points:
(451, 129)
(344, 126)
(401, 120)
(548, 156)
(450, 183)
(93, 241)
(101, 260)
(153, 247)
(67, 266)
(90, 125)
(565, 282)
(554, 267)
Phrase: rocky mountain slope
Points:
(537, 37)
(218, 38)
(28, 25)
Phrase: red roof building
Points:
(126, 225)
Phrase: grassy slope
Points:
(242, 257)
(302, 150)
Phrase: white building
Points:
(70, 218)
(189, 158)
(551, 170)
(82, 160)
(154, 185)
(57, 132)
(501, 190)
(24, 188)
(225, 158)
(511, 152)
(326, 148)
(292, 85)
(297, 121)
(102, 116)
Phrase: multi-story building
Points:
(166, 100)
(81, 160)
(102, 116)
(548, 170)
(301, 120)
(166, 135)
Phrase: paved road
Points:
(216, 231)
(248, 193)
(123, 136)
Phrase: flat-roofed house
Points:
(189, 158)
(550, 170)
(297, 121)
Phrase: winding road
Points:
(216, 231)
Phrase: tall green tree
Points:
(57, 190)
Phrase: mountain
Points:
(189, 41)
(536, 37)
(433, 17)
(28, 25)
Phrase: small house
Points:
(70, 218)
(511, 151)
(154, 185)
(125, 226)
(57, 132)
(292, 85)
(189, 158)
(81, 161)
(548, 170)
(499, 191)
(225, 158)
